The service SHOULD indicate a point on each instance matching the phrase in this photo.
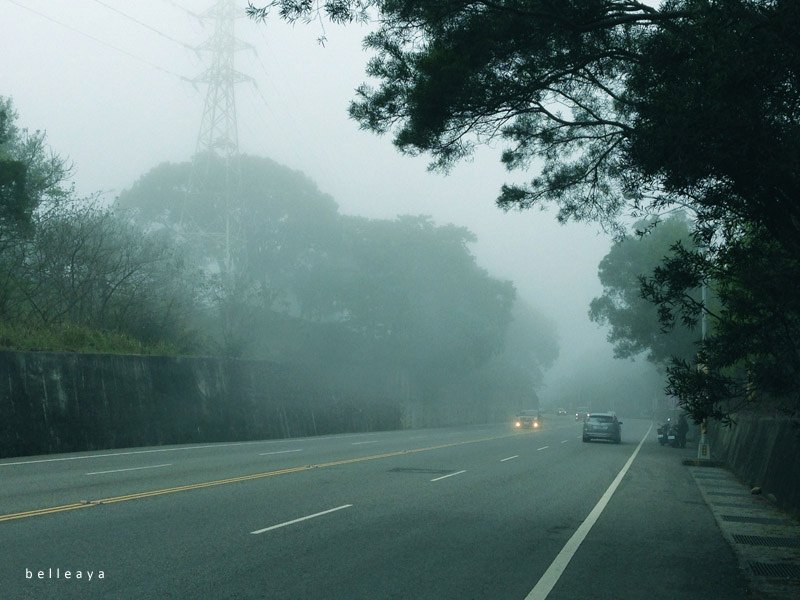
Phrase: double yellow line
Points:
(251, 477)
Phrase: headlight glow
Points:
(536, 424)
(517, 424)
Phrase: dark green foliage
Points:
(717, 115)
(545, 76)
(338, 11)
(626, 104)
(634, 322)
(31, 177)
(752, 355)
(14, 201)
(722, 129)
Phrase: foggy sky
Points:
(117, 115)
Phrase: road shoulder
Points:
(656, 539)
(766, 541)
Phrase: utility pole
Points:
(218, 144)
(703, 447)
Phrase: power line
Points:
(183, 8)
(143, 24)
(99, 41)
(313, 151)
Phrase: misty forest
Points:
(379, 303)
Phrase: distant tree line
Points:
(397, 307)
(632, 109)
(388, 303)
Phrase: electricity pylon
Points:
(218, 144)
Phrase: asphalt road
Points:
(476, 512)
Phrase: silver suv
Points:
(602, 426)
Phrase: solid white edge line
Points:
(63, 458)
(293, 521)
(451, 475)
(542, 448)
(509, 458)
(369, 442)
(553, 573)
(279, 452)
(130, 469)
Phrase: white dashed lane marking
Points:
(306, 518)
(451, 475)
(130, 469)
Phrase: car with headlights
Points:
(528, 419)
(581, 413)
(602, 426)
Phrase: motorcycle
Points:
(663, 433)
(669, 433)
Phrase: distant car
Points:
(562, 411)
(530, 419)
(581, 414)
(602, 426)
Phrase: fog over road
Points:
(473, 512)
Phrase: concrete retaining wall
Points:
(61, 402)
(763, 451)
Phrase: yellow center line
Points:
(45, 511)
(251, 477)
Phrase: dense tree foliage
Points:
(74, 276)
(635, 326)
(86, 267)
(283, 243)
(399, 300)
(602, 91)
(752, 355)
(715, 111)
(628, 108)
(31, 176)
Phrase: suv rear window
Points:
(601, 418)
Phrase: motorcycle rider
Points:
(682, 429)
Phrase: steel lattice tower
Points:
(218, 143)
